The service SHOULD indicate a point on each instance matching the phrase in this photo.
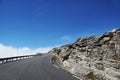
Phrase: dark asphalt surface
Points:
(37, 68)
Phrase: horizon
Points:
(40, 25)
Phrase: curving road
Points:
(36, 68)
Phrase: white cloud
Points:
(9, 51)
(66, 38)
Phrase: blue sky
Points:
(45, 23)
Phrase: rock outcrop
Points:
(93, 58)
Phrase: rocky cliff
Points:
(93, 58)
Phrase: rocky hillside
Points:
(93, 58)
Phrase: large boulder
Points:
(94, 58)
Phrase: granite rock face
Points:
(92, 58)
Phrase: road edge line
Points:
(54, 65)
(77, 77)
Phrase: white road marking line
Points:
(50, 61)
(77, 77)
(54, 64)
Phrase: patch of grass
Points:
(118, 76)
(90, 76)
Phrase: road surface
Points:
(36, 68)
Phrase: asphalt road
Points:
(37, 68)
